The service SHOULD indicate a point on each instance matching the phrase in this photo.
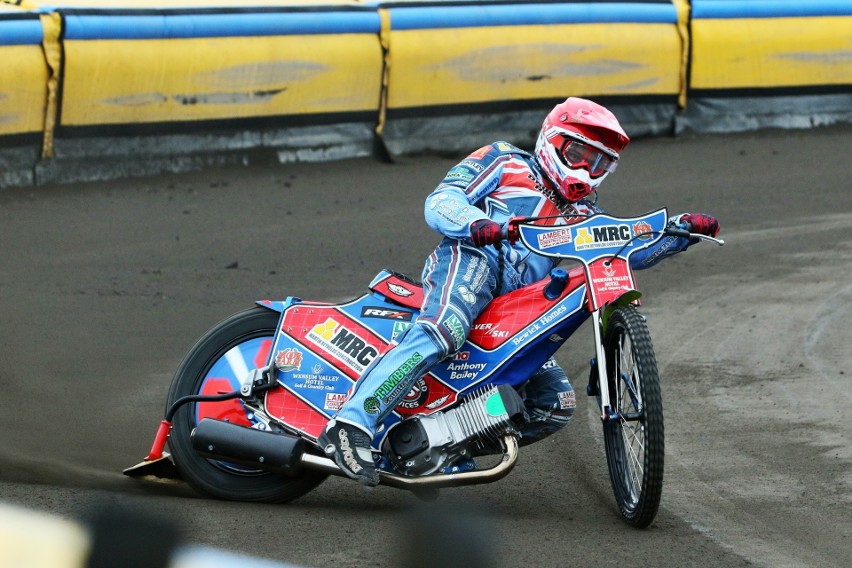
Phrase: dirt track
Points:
(104, 286)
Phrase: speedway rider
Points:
(579, 145)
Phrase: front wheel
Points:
(213, 366)
(633, 435)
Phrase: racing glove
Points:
(484, 232)
(701, 224)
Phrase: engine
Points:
(421, 445)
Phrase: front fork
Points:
(600, 365)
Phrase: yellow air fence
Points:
(98, 89)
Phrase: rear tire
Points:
(245, 335)
(634, 440)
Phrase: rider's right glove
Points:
(484, 232)
(701, 224)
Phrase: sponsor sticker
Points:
(334, 400)
(613, 278)
(640, 228)
(384, 313)
(465, 371)
(398, 328)
(399, 290)
(567, 400)
(554, 238)
(606, 236)
(476, 274)
(289, 359)
(491, 329)
(343, 343)
(475, 166)
(417, 395)
(466, 294)
(395, 382)
(450, 209)
(459, 173)
(437, 402)
(537, 326)
(315, 379)
(371, 405)
(456, 329)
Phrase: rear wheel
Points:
(213, 366)
(634, 436)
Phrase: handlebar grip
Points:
(678, 232)
(511, 232)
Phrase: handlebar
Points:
(512, 234)
(685, 231)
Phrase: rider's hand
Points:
(484, 232)
(701, 224)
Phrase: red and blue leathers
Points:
(496, 182)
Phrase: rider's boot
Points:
(349, 446)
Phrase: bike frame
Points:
(320, 350)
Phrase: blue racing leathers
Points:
(496, 182)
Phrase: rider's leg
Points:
(392, 376)
(550, 403)
(458, 282)
(348, 436)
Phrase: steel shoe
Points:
(349, 446)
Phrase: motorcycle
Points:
(249, 400)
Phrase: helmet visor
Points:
(576, 154)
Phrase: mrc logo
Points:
(343, 343)
(604, 236)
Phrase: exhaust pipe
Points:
(434, 481)
(268, 451)
(283, 453)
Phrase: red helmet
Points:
(578, 147)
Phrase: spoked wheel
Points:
(634, 437)
(215, 366)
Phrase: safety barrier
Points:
(769, 63)
(96, 89)
(142, 90)
(23, 94)
(459, 70)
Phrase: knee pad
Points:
(430, 340)
(447, 335)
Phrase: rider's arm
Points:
(650, 256)
(450, 209)
(667, 246)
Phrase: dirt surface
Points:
(104, 286)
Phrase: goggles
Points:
(576, 154)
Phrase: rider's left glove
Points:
(701, 224)
(484, 232)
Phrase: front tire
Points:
(213, 366)
(634, 438)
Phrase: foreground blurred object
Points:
(112, 537)
(37, 540)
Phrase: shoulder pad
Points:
(506, 148)
(491, 152)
